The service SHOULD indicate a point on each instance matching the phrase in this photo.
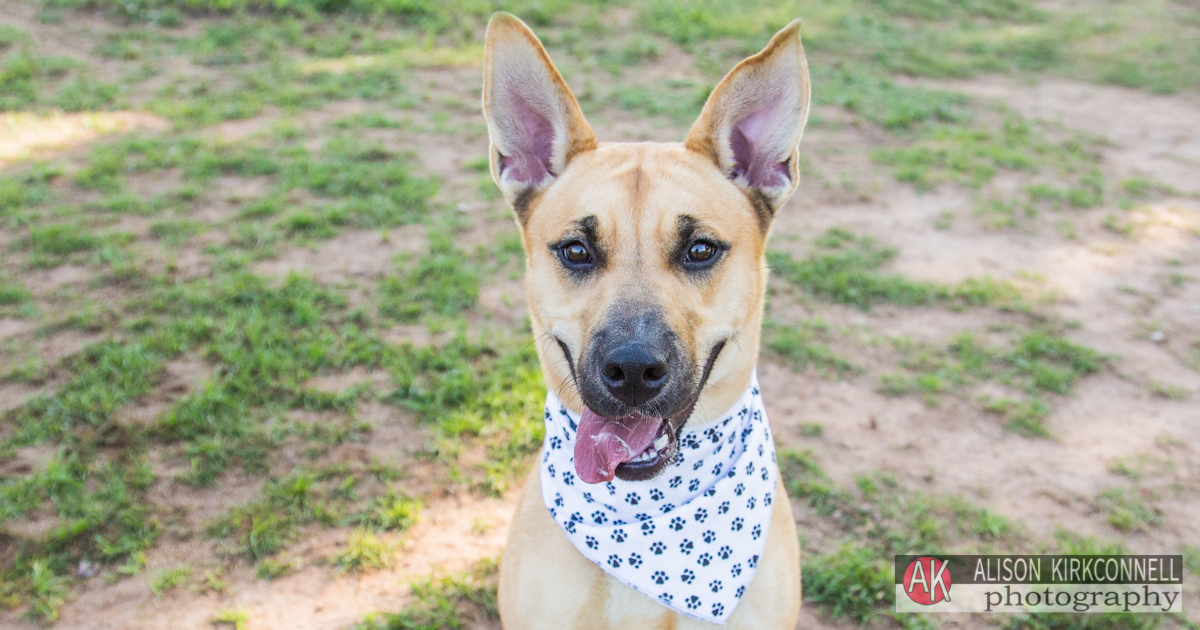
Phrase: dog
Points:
(645, 279)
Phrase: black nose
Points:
(634, 372)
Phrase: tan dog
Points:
(645, 277)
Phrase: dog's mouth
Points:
(634, 447)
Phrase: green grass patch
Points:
(448, 602)
(801, 347)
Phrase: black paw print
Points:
(756, 532)
(647, 528)
(675, 481)
(736, 570)
(635, 560)
(712, 490)
(558, 500)
(686, 547)
(715, 586)
(576, 517)
(591, 542)
(753, 562)
(618, 535)
(615, 561)
(659, 577)
(746, 433)
(710, 536)
(698, 464)
(656, 494)
(739, 489)
(687, 576)
(725, 552)
(723, 508)
(765, 472)
(550, 469)
(632, 498)
(761, 450)
(750, 468)
(608, 485)
(704, 559)
(677, 523)
(667, 507)
(750, 503)
(587, 496)
(718, 610)
(701, 514)
(555, 443)
(690, 441)
(713, 435)
(737, 524)
(643, 517)
(741, 591)
(599, 517)
(568, 478)
(767, 499)
(717, 470)
(693, 602)
(569, 526)
(666, 598)
(693, 485)
(657, 548)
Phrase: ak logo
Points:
(927, 581)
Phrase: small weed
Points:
(167, 579)
(236, 618)
(365, 552)
(812, 429)
(273, 569)
(446, 602)
(1130, 509)
(853, 582)
(390, 512)
(797, 345)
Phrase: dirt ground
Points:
(1115, 287)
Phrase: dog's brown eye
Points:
(701, 251)
(577, 253)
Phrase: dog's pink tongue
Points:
(604, 443)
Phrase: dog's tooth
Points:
(660, 442)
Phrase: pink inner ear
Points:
(752, 158)
(531, 148)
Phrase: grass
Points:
(846, 269)
(446, 602)
(169, 579)
(799, 347)
(364, 552)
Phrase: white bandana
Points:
(692, 536)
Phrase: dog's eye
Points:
(576, 253)
(700, 252)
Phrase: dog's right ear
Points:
(533, 120)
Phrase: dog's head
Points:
(645, 273)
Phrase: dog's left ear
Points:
(752, 123)
(533, 120)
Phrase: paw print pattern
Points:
(741, 591)
(753, 562)
(599, 517)
(704, 559)
(690, 441)
(677, 523)
(750, 468)
(591, 542)
(750, 503)
(723, 508)
(686, 547)
(756, 532)
(656, 494)
(715, 586)
(647, 528)
(765, 474)
(614, 561)
(718, 609)
(658, 548)
(693, 602)
(659, 577)
(736, 570)
(608, 485)
(558, 500)
(550, 469)
(712, 491)
(725, 552)
(701, 515)
(587, 496)
(555, 443)
(635, 560)
(569, 526)
(714, 435)
(698, 465)
(693, 485)
(667, 507)
(568, 477)
(632, 498)
(618, 535)
(710, 536)
(675, 481)
(739, 489)
(767, 498)
(687, 576)
(737, 524)
(717, 470)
